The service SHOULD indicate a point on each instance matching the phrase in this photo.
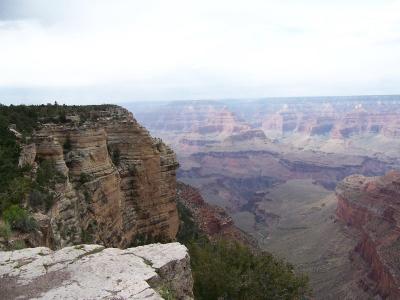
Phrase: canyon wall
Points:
(371, 207)
(255, 144)
(211, 220)
(118, 186)
(273, 164)
(336, 117)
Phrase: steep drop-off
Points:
(212, 221)
(276, 173)
(371, 207)
(119, 183)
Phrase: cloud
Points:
(184, 49)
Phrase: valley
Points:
(90, 208)
(274, 165)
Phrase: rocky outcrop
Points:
(212, 220)
(27, 155)
(93, 272)
(119, 188)
(372, 207)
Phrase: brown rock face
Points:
(371, 205)
(120, 182)
(212, 220)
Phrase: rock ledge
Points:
(95, 272)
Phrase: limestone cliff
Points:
(371, 207)
(119, 188)
(156, 271)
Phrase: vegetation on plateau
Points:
(19, 190)
(228, 270)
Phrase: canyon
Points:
(274, 165)
(370, 206)
(303, 179)
(90, 186)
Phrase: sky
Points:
(92, 51)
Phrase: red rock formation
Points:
(372, 206)
(211, 220)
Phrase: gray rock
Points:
(95, 272)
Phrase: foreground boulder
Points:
(153, 271)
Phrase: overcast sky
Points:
(90, 51)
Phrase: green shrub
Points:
(47, 175)
(84, 178)
(18, 245)
(62, 118)
(87, 196)
(67, 146)
(36, 198)
(188, 230)
(15, 193)
(116, 157)
(86, 237)
(228, 270)
(41, 199)
(88, 234)
(166, 293)
(19, 219)
(5, 231)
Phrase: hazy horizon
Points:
(124, 51)
(92, 100)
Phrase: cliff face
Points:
(148, 272)
(337, 120)
(119, 185)
(212, 220)
(197, 118)
(371, 206)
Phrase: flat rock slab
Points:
(95, 272)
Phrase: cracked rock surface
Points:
(95, 272)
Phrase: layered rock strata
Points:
(119, 188)
(93, 272)
(372, 207)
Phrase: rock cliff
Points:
(155, 271)
(275, 176)
(119, 183)
(196, 117)
(371, 206)
(213, 221)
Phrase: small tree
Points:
(19, 219)
(116, 157)
(67, 146)
(5, 231)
